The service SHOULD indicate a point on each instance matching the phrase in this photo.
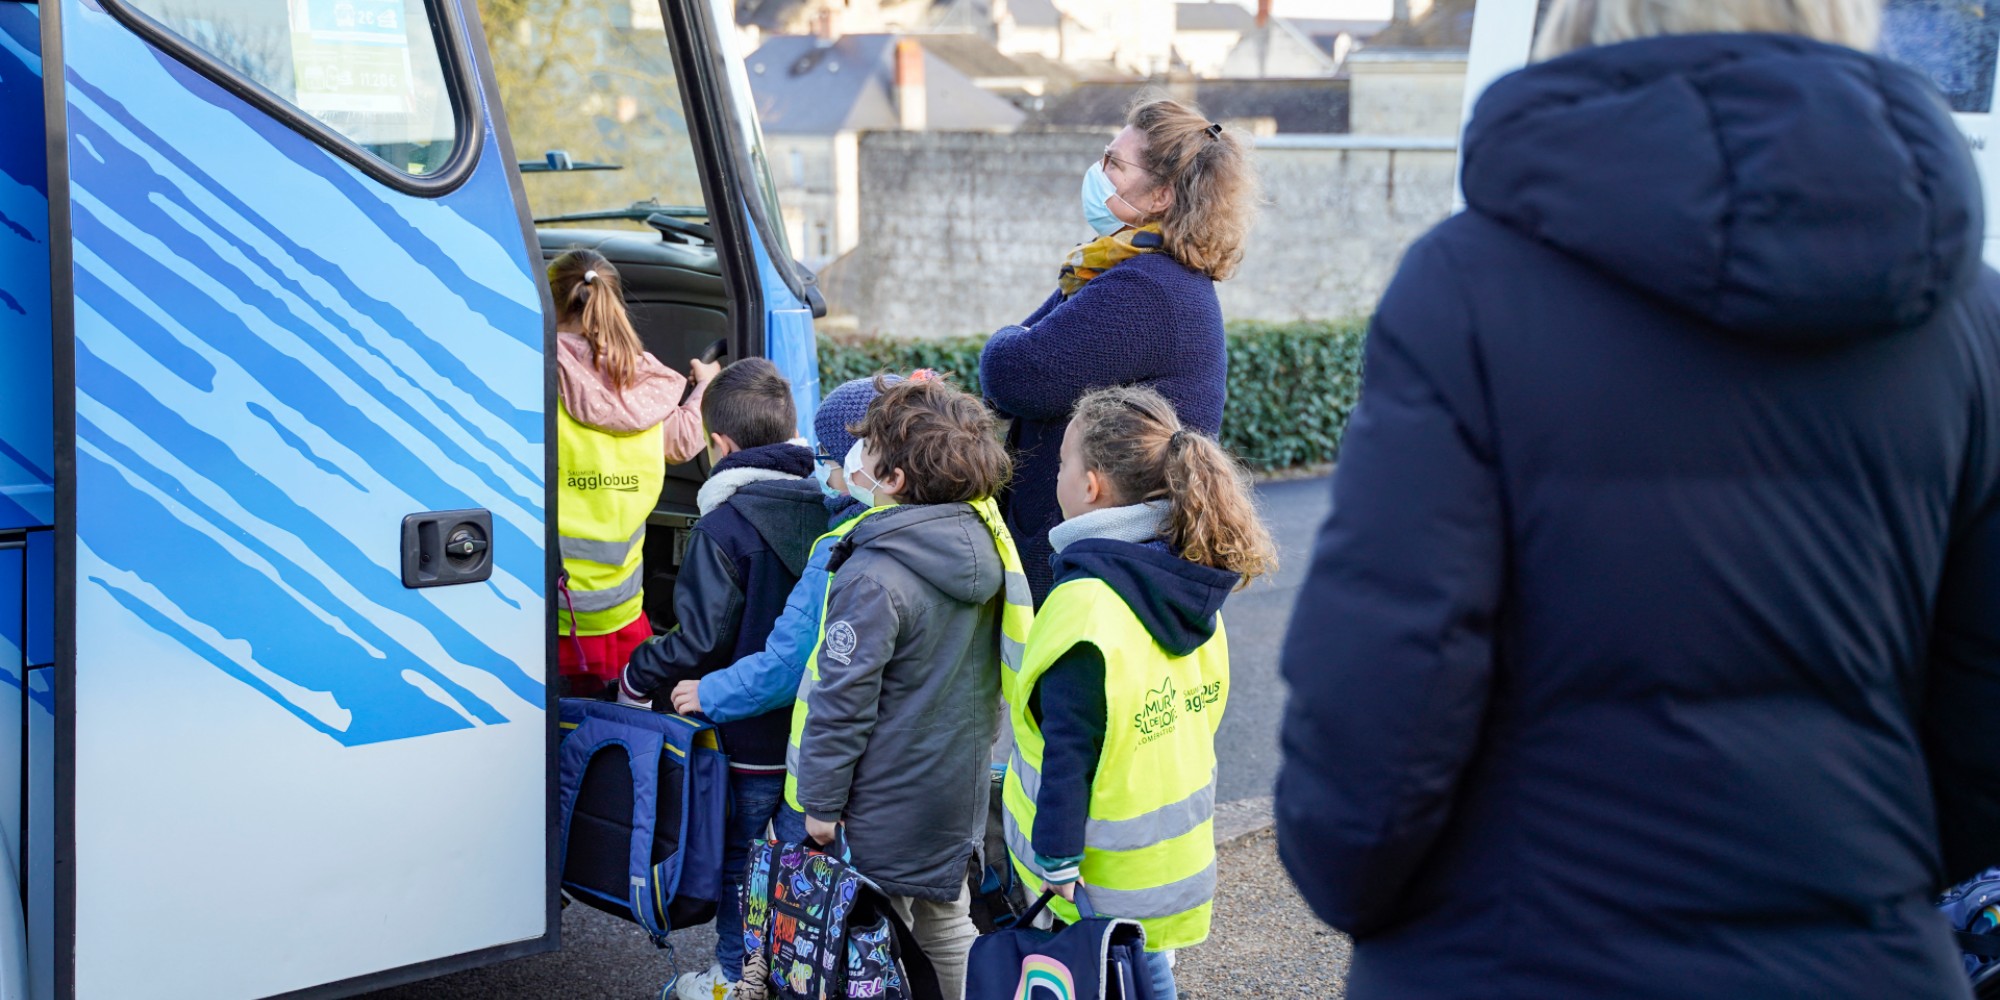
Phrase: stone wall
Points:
(963, 232)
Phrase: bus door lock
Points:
(446, 547)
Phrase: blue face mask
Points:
(822, 472)
(1097, 193)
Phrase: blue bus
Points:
(273, 320)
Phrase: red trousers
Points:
(589, 665)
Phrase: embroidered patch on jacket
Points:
(840, 642)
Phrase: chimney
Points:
(910, 97)
(1263, 13)
(824, 26)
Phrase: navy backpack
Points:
(1096, 957)
(644, 796)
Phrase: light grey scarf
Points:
(1138, 523)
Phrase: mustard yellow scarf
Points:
(1102, 254)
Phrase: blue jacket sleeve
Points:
(768, 680)
(1963, 694)
(1390, 654)
(1070, 346)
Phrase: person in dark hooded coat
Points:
(1652, 648)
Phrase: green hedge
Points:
(1291, 385)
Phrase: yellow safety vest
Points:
(1149, 847)
(606, 484)
(1017, 617)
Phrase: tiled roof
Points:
(806, 85)
(1315, 106)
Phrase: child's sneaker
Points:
(710, 985)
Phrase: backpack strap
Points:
(1986, 946)
(917, 968)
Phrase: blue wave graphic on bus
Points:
(276, 360)
(27, 440)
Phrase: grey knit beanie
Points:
(845, 405)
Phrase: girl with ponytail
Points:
(622, 422)
(1126, 672)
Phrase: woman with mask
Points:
(1171, 201)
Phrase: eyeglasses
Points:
(1111, 158)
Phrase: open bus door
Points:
(302, 568)
(276, 558)
(638, 138)
(1956, 45)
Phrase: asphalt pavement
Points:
(603, 957)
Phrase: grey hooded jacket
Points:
(900, 723)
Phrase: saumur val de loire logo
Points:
(1164, 706)
(603, 481)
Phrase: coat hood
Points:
(946, 544)
(1176, 600)
(787, 514)
(1780, 188)
(774, 462)
(770, 488)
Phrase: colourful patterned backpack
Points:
(815, 928)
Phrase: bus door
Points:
(637, 137)
(27, 514)
(1956, 45)
(302, 562)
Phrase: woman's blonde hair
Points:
(1207, 169)
(1579, 24)
(1133, 438)
(589, 293)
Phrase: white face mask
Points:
(852, 467)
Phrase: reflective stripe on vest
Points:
(606, 486)
(1136, 832)
(1017, 618)
(607, 553)
(1149, 842)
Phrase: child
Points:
(620, 414)
(760, 511)
(768, 680)
(1123, 684)
(927, 602)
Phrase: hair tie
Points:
(1214, 130)
(923, 375)
(1177, 438)
(590, 277)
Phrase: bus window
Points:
(593, 103)
(369, 70)
(594, 106)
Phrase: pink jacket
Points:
(654, 398)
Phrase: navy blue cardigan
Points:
(1147, 321)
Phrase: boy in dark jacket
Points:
(902, 692)
(760, 512)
